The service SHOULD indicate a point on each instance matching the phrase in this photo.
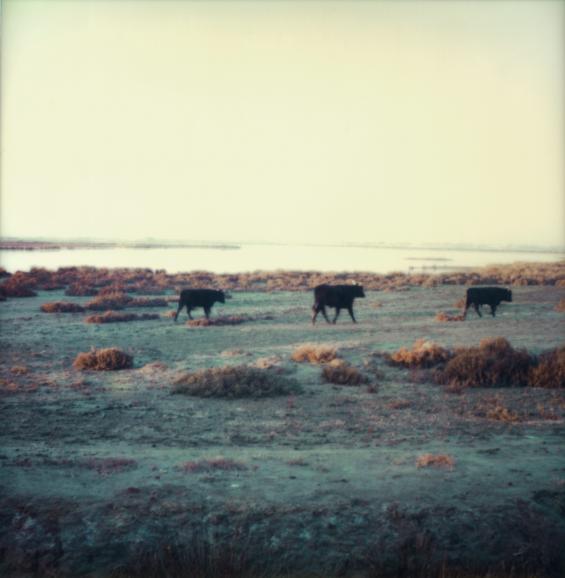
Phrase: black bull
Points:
(491, 296)
(205, 298)
(337, 296)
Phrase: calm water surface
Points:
(270, 257)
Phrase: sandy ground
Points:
(93, 464)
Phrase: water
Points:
(272, 257)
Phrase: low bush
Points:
(147, 302)
(341, 373)
(235, 382)
(549, 371)
(424, 354)
(560, 306)
(443, 316)
(115, 317)
(494, 363)
(19, 285)
(62, 307)
(108, 302)
(435, 460)
(311, 353)
(103, 360)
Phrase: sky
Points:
(314, 122)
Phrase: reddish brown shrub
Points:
(560, 306)
(493, 364)
(19, 285)
(312, 353)
(550, 370)
(103, 359)
(341, 373)
(108, 302)
(61, 307)
(443, 316)
(114, 317)
(435, 460)
(424, 354)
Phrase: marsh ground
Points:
(96, 467)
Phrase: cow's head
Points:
(221, 297)
(508, 296)
(358, 290)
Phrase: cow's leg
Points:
(467, 305)
(207, 312)
(188, 310)
(493, 310)
(323, 309)
(337, 312)
(477, 309)
(350, 309)
(315, 310)
(181, 305)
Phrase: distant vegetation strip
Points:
(102, 281)
(18, 245)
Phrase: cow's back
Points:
(198, 297)
(486, 295)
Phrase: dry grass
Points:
(235, 382)
(115, 317)
(560, 306)
(424, 354)
(310, 353)
(62, 307)
(103, 360)
(146, 280)
(494, 363)
(549, 371)
(435, 460)
(341, 373)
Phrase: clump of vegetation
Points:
(342, 373)
(19, 285)
(560, 306)
(62, 307)
(219, 463)
(235, 382)
(424, 354)
(107, 359)
(108, 302)
(549, 371)
(443, 316)
(311, 353)
(494, 363)
(147, 302)
(435, 460)
(115, 317)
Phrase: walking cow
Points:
(337, 296)
(491, 296)
(205, 298)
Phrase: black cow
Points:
(491, 296)
(205, 298)
(337, 296)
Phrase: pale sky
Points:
(284, 121)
